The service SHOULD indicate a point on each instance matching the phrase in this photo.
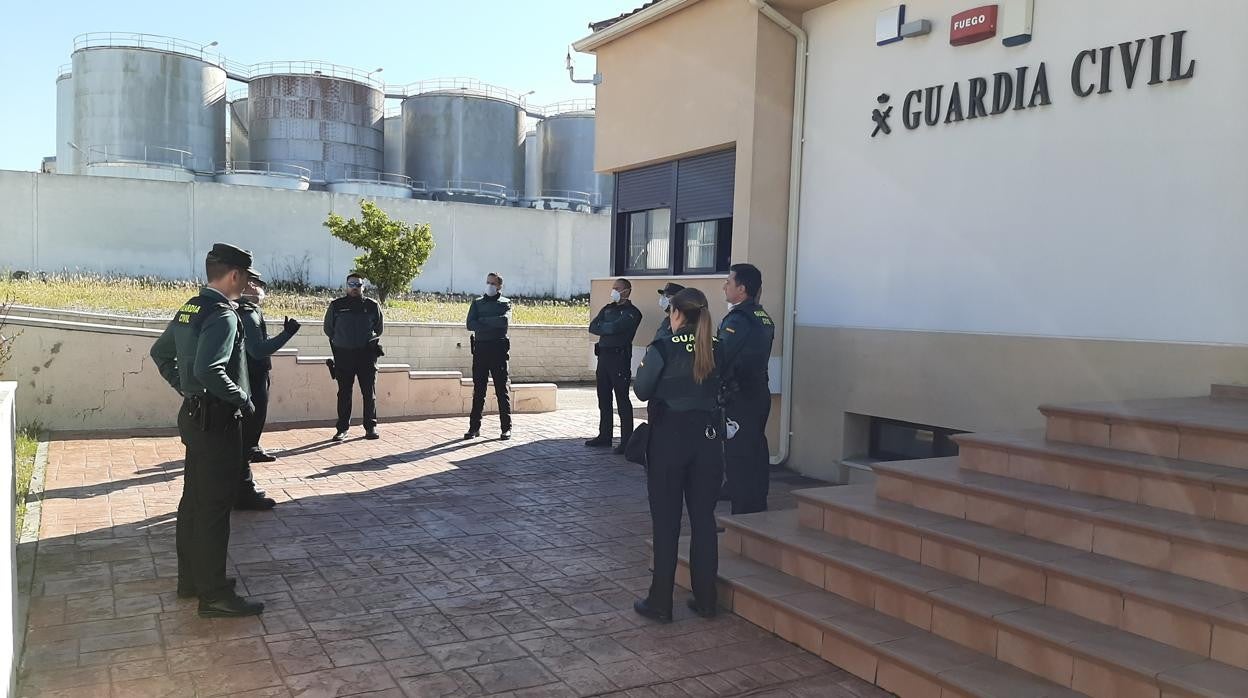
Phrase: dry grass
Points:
(150, 297)
(27, 446)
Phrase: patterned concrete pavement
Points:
(417, 565)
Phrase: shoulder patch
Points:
(729, 329)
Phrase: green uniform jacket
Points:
(743, 347)
(616, 325)
(256, 336)
(666, 376)
(201, 351)
(489, 317)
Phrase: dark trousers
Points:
(253, 426)
(747, 459)
(489, 360)
(615, 375)
(351, 365)
(213, 463)
(683, 467)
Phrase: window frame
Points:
(625, 226)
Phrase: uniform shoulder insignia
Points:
(763, 316)
(730, 330)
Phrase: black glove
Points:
(248, 409)
(291, 325)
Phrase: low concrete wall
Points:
(544, 353)
(137, 227)
(10, 641)
(77, 375)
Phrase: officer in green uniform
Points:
(201, 355)
(615, 326)
(678, 378)
(666, 294)
(742, 351)
(488, 318)
(354, 325)
(260, 349)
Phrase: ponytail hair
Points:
(693, 307)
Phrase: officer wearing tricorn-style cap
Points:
(666, 294)
(201, 355)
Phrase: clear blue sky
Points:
(512, 43)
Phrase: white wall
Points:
(10, 641)
(1116, 216)
(127, 226)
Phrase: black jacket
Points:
(351, 323)
(616, 325)
(489, 317)
(665, 376)
(743, 348)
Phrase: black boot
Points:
(645, 610)
(232, 606)
(693, 605)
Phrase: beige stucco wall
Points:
(85, 376)
(975, 382)
(545, 353)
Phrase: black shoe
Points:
(184, 593)
(259, 502)
(505, 436)
(619, 450)
(598, 442)
(645, 610)
(261, 456)
(372, 435)
(472, 434)
(341, 435)
(232, 606)
(692, 603)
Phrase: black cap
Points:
(670, 289)
(233, 256)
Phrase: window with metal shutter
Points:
(646, 188)
(704, 187)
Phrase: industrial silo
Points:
(566, 145)
(147, 106)
(65, 153)
(392, 159)
(532, 169)
(317, 116)
(240, 146)
(465, 141)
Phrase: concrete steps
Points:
(1106, 557)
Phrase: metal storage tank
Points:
(315, 115)
(147, 106)
(240, 147)
(532, 169)
(65, 152)
(392, 159)
(464, 140)
(566, 146)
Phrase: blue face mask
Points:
(491, 290)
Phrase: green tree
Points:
(394, 251)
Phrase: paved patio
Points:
(416, 565)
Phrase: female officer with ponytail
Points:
(678, 379)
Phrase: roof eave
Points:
(630, 24)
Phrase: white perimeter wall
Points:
(1122, 215)
(128, 226)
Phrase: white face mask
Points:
(665, 303)
(491, 290)
(259, 294)
(615, 296)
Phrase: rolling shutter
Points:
(704, 187)
(646, 188)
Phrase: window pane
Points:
(649, 240)
(700, 245)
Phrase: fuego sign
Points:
(973, 26)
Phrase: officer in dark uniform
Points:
(201, 355)
(666, 294)
(488, 318)
(742, 351)
(354, 324)
(260, 348)
(683, 464)
(615, 325)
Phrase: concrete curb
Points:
(28, 551)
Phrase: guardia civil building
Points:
(962, 211)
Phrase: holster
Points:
(333, 372)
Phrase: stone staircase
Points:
(1106, 556)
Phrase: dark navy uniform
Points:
(353, 325)
(260, 349)
(742, 351)
(616, 326)
(201, 355)
(683, 467)
(489, 318)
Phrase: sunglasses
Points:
(354, 284)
